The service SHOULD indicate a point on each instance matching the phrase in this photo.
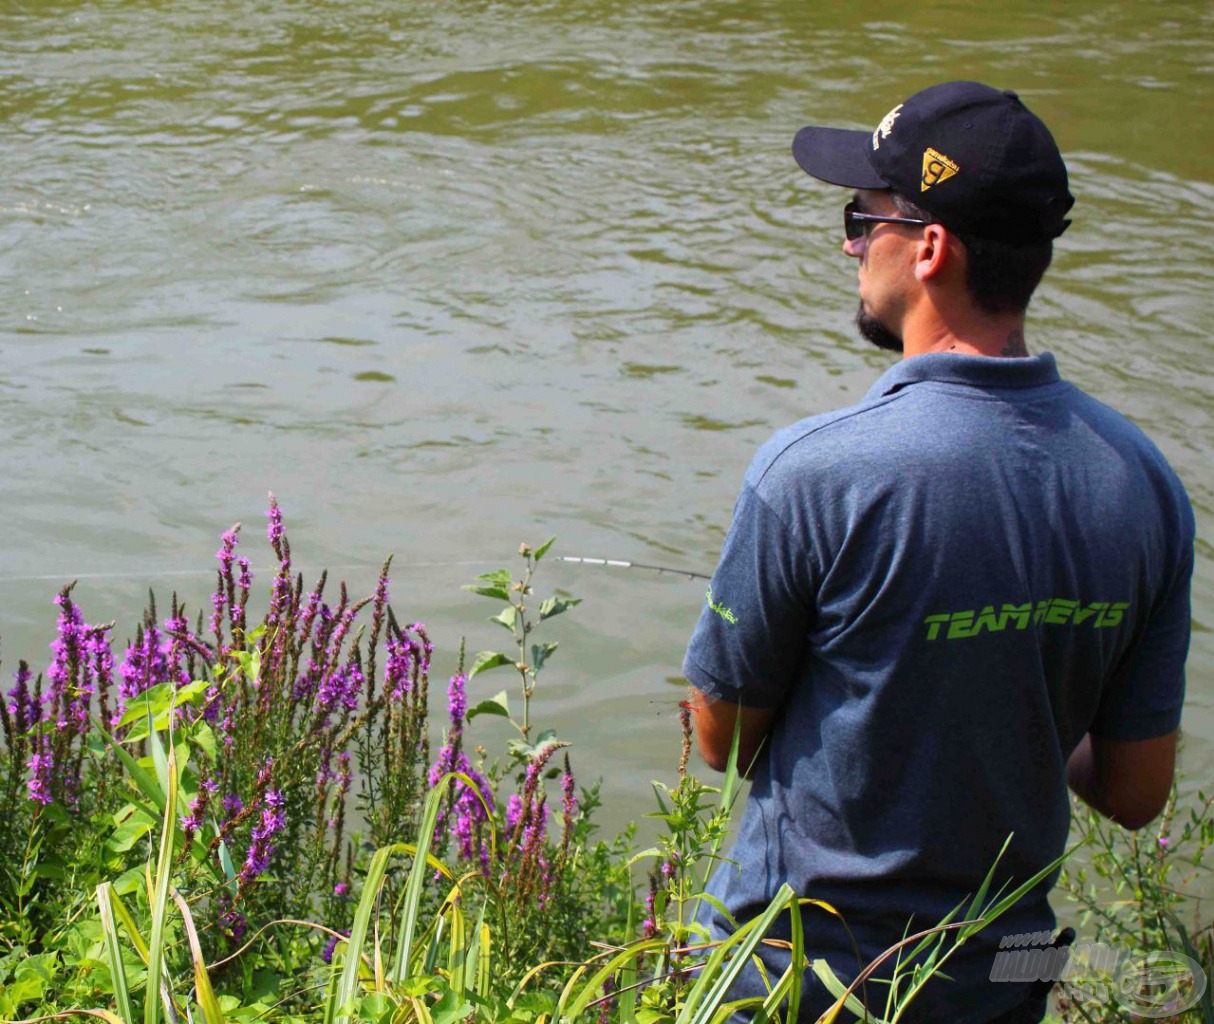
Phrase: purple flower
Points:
(327, 954)
(24, 708)
(514, 811)
(226, 552)
(457, 700)
(274, 529)
(568, 793)
(340, 889)
(246, 577)
(341, 688)
(41, 766)
(397, 670)
(257, 859)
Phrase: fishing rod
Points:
(616, 563)
(610, 563)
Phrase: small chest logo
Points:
(936, 168)
(886, 126)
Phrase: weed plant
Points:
(180, 846)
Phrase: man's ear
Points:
(932, 253)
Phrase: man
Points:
(936, 608)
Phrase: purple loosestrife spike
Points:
(649, 927)
(257, 859)
(24, 708)
(274, 529)
(397, 668)
(327, 953)
(457, 700)
(226, 553)
(514, 811)
(41, 766)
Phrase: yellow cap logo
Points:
(936, 168)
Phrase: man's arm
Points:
(714, 722)
(1125, 780)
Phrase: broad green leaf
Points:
(540, 653)
(556, 605)
(500, 577)
(542, 550)
(501, 593)
(128, 881)
(506, 618)
(498, 704)
(204, 736)
(487, 660)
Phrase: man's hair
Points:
(999, 276)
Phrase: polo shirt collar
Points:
(974, 371)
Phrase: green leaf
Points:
(506, 618)
(225, 861)
(130, 832)
(540, 653)
(542, 550)
(487, 660)
(129, 881)
(556, 605)
(498, 705)
(450, 1008)
(204, 736)
(501, 577)
(501, 593)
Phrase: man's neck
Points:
(974, 335)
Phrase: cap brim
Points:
(837, 156)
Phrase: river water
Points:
(450, 275)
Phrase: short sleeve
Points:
(1144, 700)
(749, 643)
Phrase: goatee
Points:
(872, 329)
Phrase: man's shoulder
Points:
(824, 441)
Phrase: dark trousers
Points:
(1033, 1011)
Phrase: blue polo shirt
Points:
(942, 589)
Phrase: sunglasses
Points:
(855, 223)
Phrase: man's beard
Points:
(872, 329)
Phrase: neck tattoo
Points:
(1014, 346)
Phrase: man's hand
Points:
(1125, 780)
(713, 722)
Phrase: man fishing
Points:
(937, 608)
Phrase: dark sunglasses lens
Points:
(852, 228)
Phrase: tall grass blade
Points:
(417, 874)
(164, 871)
(718, 976)
(340, 995)
(484, 956)
(570, 1006)
(205, 994)
(457, 958)
(109, 928)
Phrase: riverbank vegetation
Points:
(220, 820)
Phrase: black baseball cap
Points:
(974, 157)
